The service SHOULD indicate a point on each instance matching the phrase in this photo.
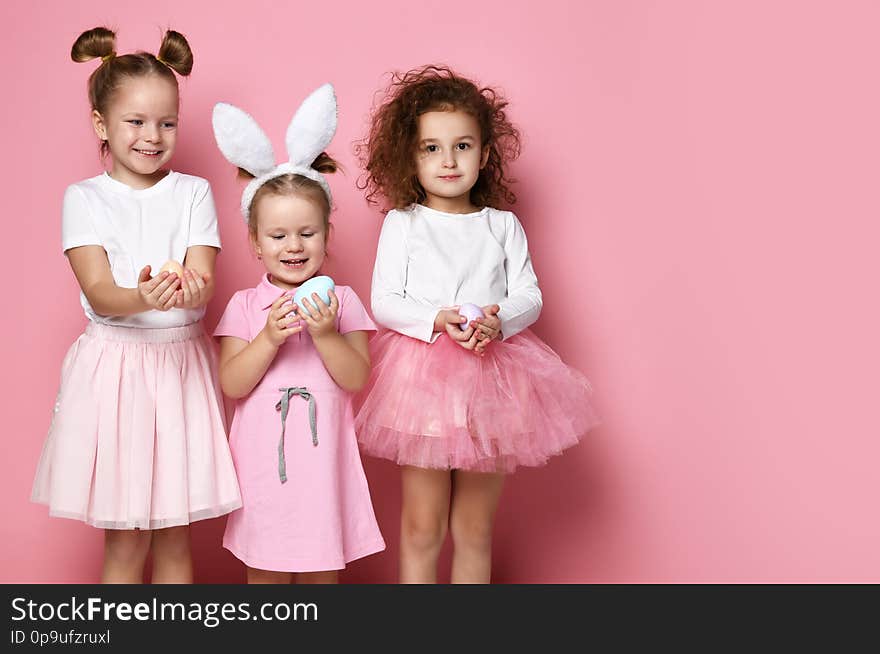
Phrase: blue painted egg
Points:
(320, 285)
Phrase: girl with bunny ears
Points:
(306, 505)
(138, 442)
(456, 401)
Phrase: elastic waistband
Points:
(138, 335)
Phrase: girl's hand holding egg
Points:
(471, 312)
(282, 321)
(192, 285)
(193, 289)
(171, 266)
(472, 327)
(487, 327)
(322, 285)
(159, 292)
(317, 304)
(319, 316)
(457, 327)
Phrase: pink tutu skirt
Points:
(441, 406)
(138, 439)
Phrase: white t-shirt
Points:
(137, 227)
(428, 260)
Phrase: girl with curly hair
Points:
(461, 391)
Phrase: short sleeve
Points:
(203, 228)
(352, 316)
(76, 224)
(234, 322)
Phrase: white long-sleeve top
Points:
(428, 260)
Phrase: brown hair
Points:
(174, 54)
(387, 154)
(293, 184)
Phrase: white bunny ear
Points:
(312, 127)
(241, 140)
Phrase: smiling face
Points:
(449, 156)
(140, 127)
(290, 238)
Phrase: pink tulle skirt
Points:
(440, 406)
(138, 438)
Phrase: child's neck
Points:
(450, 205)
(286, 286)
(134, 180)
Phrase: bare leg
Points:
(423, 523)
(257, 576)
(172, 563)
(325, 577)
(125, 551)
(475, 498)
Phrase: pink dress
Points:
(305, 501)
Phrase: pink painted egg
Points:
(471, 312)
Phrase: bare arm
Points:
(243, 364)
(346, 357)
(198, 283)
(92, 270)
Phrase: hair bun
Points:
(94, 43)
(324, 164)
(176, 53)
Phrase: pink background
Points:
(699, 187)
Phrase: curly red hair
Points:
(387, 154)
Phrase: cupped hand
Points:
(452, 322)
(320, 318)
(193, 293)
(282, 321)
(159, 292)
(487, 328)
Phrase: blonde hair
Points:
(293, 184)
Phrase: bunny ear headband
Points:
(244, 144)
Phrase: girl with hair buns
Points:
(137, 445)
